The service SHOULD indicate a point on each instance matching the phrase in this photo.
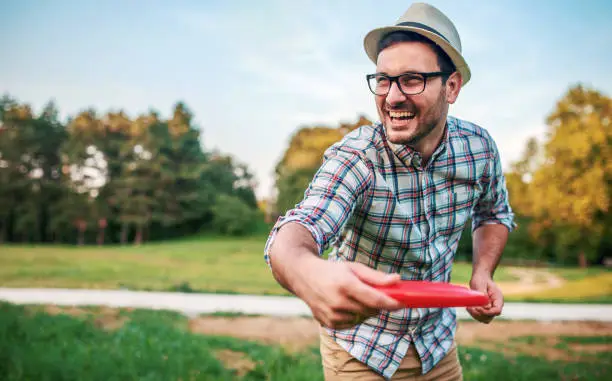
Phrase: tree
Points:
(188, 197)
(138, 181)
(232, 216)
(303, 157)
(29, 168)
(291, 187)
(571, 191)
(12, 180)
(107, 178)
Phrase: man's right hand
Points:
(340, 294)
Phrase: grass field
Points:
(202, 265)
(157, 345)
(594, 288)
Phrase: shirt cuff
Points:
(314, 231)
(508, 222)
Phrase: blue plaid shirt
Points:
(375, 202)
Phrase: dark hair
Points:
(444, 61)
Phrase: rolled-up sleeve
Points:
(493, 206)
(337, 188)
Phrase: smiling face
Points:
(414, 120)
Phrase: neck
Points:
(428, 145)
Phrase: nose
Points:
(395, 96)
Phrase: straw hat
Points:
(428, 21)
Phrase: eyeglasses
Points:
(410, 83)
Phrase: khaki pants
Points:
(340, 365)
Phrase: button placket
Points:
(416, 161)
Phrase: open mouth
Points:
(401, 115)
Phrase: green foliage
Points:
(291, 188)
(303, 157)
(233, 216)
(564, 184)
(149, 346)
(156, 345)
(64, 348)
(587, 340)
(108, 178)
(479, 364)
(29, 169)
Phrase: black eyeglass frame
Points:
(391, 78)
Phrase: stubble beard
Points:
(431, 120)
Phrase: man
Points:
(392, 199)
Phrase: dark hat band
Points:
(423, 26)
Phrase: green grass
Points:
(531, 340)
(197, 265)
(156, 345)
(211, 264)
(586, 340)
(489, 365)
(152, 345)
(583, 340)
(215, 264)
(576, 273)
(568, 344)
(593, 289)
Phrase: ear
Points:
(453, 86)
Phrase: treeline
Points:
(560, 190)
(109, 178)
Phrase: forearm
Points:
(293, 248)
(489, 241)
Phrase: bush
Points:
(232, 216)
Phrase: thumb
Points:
(371, 276)
(482, 285)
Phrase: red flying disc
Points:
(423, 294)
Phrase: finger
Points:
(497, 299)
(342, 320)
(348, 305)
(491, 298)
(371, 276)
(364, 310)
(495, 309)
(481, 316)
(472, 312)
(344, 303)
(478, 310)
(483, 289)
(371, 298)
(498, 303)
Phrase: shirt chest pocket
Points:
(452, 210)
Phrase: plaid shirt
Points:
(374, 202)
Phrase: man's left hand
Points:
(484, 283)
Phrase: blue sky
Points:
(253, 72)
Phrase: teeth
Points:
(403, 114)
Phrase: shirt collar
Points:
(406, 153)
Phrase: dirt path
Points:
(530, 280)
(299, 333)
(545, 339)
